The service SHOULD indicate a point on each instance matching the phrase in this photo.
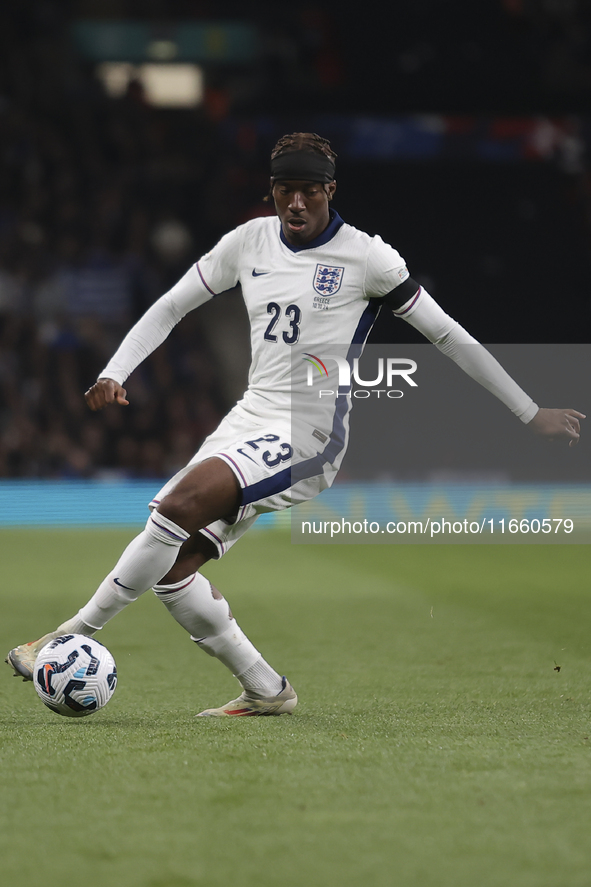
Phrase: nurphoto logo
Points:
(388, 371)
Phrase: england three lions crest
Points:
(328, 279)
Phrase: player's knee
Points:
(179, 508)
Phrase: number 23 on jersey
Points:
(294, 316)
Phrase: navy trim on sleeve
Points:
(203, 281)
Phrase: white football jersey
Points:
(313, 295)
(306, 303)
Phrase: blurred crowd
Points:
(104, 204)
(98, 218)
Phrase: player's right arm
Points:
(213, 274)
(104, 392)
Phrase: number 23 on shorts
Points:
(280, 452)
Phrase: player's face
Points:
(303, 209)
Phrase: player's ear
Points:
(330, 189)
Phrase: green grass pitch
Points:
(436, 742)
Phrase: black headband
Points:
(305, 166)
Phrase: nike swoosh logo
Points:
(121, 585)
(256, 273)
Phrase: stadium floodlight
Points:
(164, 85)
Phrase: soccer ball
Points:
(75, 675)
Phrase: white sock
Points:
(146, 559)
(262, 679)
(76, 625)
(211, 625)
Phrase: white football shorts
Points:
(273, 471)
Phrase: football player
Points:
(308, 279)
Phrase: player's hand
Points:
(104, 392)
(558, 424)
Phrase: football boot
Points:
(22, 659)
(250, 704)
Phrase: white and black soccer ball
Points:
(75, 675)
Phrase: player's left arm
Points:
(423, 313)
(558, 424)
